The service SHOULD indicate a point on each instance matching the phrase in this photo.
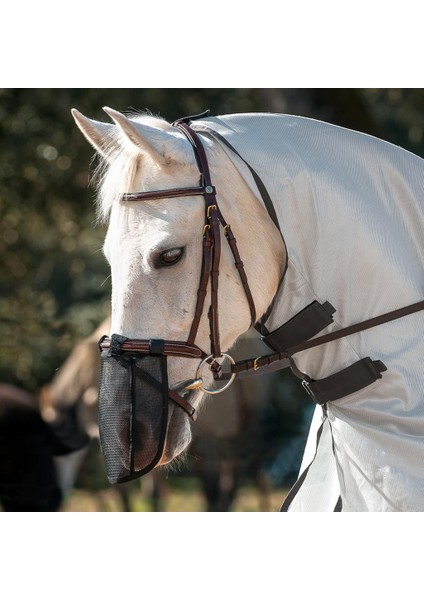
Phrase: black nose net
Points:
(133, 410)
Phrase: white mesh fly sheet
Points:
(350, 208)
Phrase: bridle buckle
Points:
(212, 206)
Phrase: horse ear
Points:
(98, 134)
(150, 140)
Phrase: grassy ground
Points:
(184, 495)
(174, 492)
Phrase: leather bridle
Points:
(211, 255)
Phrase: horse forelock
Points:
(121, 161)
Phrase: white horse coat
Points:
(350, 208)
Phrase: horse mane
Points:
(119, 163)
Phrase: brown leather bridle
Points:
(211, 255)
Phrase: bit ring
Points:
(229, 382)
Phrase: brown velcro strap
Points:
(303, 326)
(348, 381)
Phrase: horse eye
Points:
(171, 257)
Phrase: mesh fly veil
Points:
(133, 411)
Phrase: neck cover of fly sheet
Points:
(350, 209)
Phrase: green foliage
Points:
(399, 113)
(54, 284)
(52, 271)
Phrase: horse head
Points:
(155, 247)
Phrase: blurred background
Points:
(55, 292)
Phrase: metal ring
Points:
(229, 382)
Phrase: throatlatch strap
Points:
(303, 326)
(261, 187)
(294, 490)
(347, 381)
(339, 505)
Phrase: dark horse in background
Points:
(50, 442)
(28, 478)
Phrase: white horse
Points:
(346, 227)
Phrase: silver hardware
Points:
(305, 384)
(226, 386)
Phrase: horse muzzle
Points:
(133, 408)
(133, 401)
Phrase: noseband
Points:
(211, 255)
